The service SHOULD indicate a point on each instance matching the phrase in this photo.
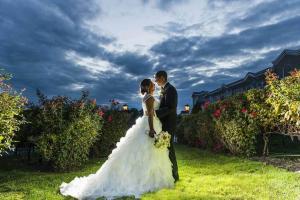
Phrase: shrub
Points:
(238, 136)
(261, 112)
(11, 105)
(239, 119)
(115, 125)
(235, 126)
(68, 130)
(277, 106)
(70, 148)
(32, 128)
(283, 96)
(198, 130)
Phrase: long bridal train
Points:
(134, 167)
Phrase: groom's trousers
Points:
(172, 157)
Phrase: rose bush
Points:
(115, 125)
(235, 125)
(67, 129)
(240, 119)
(198, 130)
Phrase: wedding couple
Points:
(136, 166)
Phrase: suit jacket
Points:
(167, 112)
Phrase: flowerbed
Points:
(237, 121)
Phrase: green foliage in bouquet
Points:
(68, 130)
(12, 104)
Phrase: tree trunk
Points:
(266, 145)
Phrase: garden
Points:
(242, 147)
(243, 124)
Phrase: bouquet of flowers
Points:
(162, 139)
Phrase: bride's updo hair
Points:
(145, 85)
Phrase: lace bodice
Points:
(155, 106)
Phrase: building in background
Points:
(282, 65)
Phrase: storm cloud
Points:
(63, 47)
(46, 45)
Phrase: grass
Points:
(203, 175)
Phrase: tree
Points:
(11, 106)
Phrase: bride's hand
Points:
(152, 133)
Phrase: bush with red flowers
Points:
(234, 125)
(62, 129)
(115, 126)
(236, 121)
(217, 113)
(197, 130)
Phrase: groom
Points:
(167, 114)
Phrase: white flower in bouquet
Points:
(162, 139)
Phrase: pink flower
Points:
(100, 113)
(217, 113)
(244, 110)
(206, 104)
(253, 114)
(109, 118)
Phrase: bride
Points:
(135, 166)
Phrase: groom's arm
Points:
(171, 104)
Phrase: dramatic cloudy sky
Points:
(109, 46)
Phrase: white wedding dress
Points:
(134, 167)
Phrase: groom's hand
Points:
(152, 133)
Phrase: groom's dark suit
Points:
(167, 115)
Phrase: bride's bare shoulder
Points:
(147, 97)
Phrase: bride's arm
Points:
(150, 111)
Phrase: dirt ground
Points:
(289, 163)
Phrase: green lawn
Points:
(203, 175)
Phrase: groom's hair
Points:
(162, 74)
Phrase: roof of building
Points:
(199, 93)
(284, 53)
(255, 75)
(246, 77)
